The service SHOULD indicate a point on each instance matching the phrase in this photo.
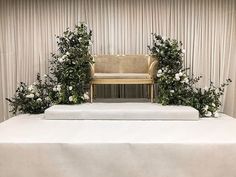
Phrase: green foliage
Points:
(70, 68)
(207, 100)
(69, 76)
(175, 86)
(31, 99)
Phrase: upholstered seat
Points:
(125, 69)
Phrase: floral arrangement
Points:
(32, 99)
(175, 86)
(68, 80)
(70, 68)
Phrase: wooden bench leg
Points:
(148, 91)
(91, 93)
(152, 93)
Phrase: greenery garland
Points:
(175, 86)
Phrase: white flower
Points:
(70, 87)
(159, 75)
(47, 98)
(206, 107)
(172, 91)
(21, 88)
(183, 51)
(67, 53)
(159, 71)
(213, 104)
(54, 89)
(186, 80)
(59, 88)
(70, 98)
(37, 93)
(45, 75)
(177, 77)
(30, 95)
(39, 100)
(180, 74)
(216, 114)
(31, 88)
(206, 88)
(208, 114)
(61, 60)
(86, 96)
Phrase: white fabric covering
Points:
(34, 147)
(145, 111)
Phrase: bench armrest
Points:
(152, 71)
(92, 69)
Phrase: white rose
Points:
(37, 93)
(31, 87)
(159, 71)
(177, 77)
(21, 88)
(86, 96)
(59, 88)
(39, 100)
(216, 114)
(45, 75)
(63, 57)
(159, 75)
(61, 60)
(183, 51)
(67, 53)
(206, 107)
(54, 89)
(208, 114)
(180, 74)
(70, 87)
(30, 95)
(47, 98)
(70, 98)
(172, 91)
(213, 104)
(186, 80)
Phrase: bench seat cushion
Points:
(121, 76)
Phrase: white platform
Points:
(125, 111)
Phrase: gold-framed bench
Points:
(125, 69)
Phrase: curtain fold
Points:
(207, 29)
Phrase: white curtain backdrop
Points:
(207, 29)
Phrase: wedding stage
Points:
(126, 111)
(34, 147)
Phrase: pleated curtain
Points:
(207, 29)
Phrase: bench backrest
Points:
(122, 64)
